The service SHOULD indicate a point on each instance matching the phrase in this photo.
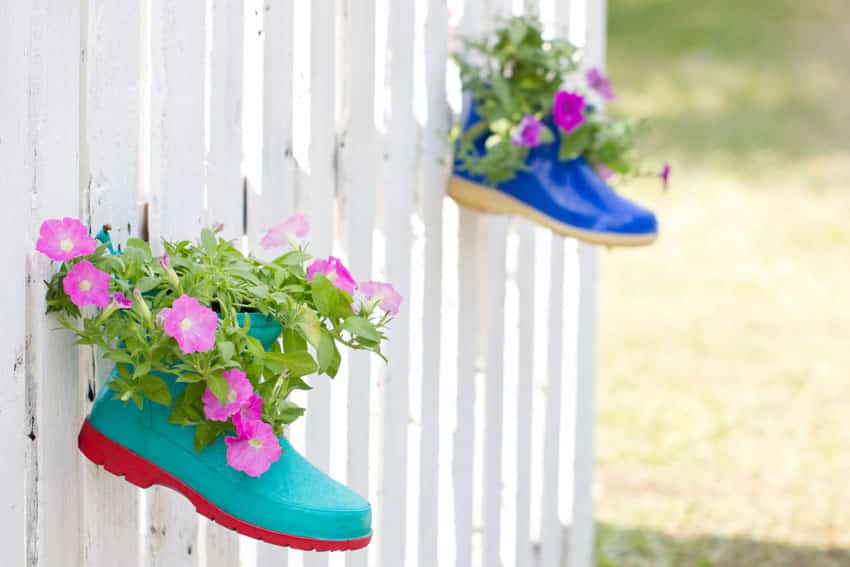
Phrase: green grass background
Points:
(724, 396)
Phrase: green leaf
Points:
(327, 352)
(209, 241)
(219, 386)
(140, 245)
(299, 363)
(226, 349)
(206, 433)
(575, 143)
(188, 409)
(324, 294)
(310, 327)
(292, 341)
(189, 377)
(360, 327)
(118, 355)
(155, 389)
(290, 411)
(147, 283)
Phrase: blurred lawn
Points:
(724, 398)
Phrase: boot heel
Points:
(102, 451)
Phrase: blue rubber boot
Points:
(292, 504)
(567, 197)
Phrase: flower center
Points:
(85, 285)
(231, 397)
(331, 276)
(255, 443)
(185, 324)
(66, 244)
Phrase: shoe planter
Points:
(209, 386)
(292, 504)
(532, 144)
(567, 197)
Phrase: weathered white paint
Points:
(53, 394)
(431, 180)
(351, 182)
(110, 158)
(273, 199)
(359, 164)
(399, 187)
(178, 40)
(16, 154)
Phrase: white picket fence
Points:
(474, 444)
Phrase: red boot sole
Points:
(120, 461)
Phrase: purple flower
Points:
(191, 324)
(86, 285)
(600, 83)
(255, 447)
(122, 300)
(568, 110)
(383, 295)
(162, 315)
(287, 232)
(665, 175)
(527, 134)
(333, 269)
(64, 239)
(603, 171)
(239, 392)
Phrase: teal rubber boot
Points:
(293, 504)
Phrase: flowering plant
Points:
(522, 86)
(179, 314)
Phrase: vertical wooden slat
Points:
(178, 42)
(494, 323)
(358, 177)
(53, 399)
(319, 196)
(582, 530)
(224, 160)
(525, 385)
(111, 168)
(225, 195)
(16, 172)
(550, 523)
(275, 198)
(399, 183)
(432, 180)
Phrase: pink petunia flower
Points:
(600, 83)
(239, 392)
(527, 134)
(603, 171)
(64, 239)
(122, 300)
(162, 315)
(568, 110)
(333, 269)
(383, 295)
(254, 449)
(86, 285)
(191, 324)
(288, 232)
(665, 175)
(253, 408)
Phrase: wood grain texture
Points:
(110, 159)
(225, 196)
(178, 40)
(53, 401)
(16, 172)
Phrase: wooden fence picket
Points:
(178, 40)
(110, 148)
